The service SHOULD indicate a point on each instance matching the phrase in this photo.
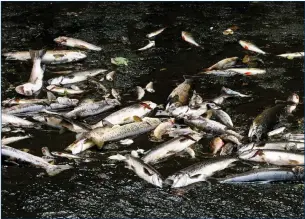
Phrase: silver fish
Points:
(170, 148)
(37, 161)
(24, 108)
(189, 38)
(62, 90)
(275, 145)
(7, 119)
(6, 141)
(23, 101)
(292, 55)
(275, 157)
(66, 155)
(265, 175)
(75, 77)
(127, 114)
(72, 42)
(150, 44)
(155, 33)
(294, 137)
(51, 56)
(90, 109)
(144, 171)
(223, 64)
(232, 92)
(221, 115)
(80, 145)
(140, 92)
(115, 94)
(198, 172)
(276, 131)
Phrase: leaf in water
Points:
(119, 61)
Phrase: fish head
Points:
(216, 144)
(293, 98)
(178, 180)
(61, 40)
(25, 89)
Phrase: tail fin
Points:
(52, 170)
(37, 54)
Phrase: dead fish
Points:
(275, 157)
(294, 137)
(17, 101)
(292, 55)
(127, 114)
(104, 134)
(155, 33)
(180, 131)
(276, 131)
(230, 138)
(80, 145)
(24, 108)
(250, 46)
(227, 149)
(72, 42)
(232, 92)
(223, 64)
(140, 92)
(66, 155)
(247, 71)
(115, 94)
(62, 72)
(37, 161)
(264, 175)
(143, 170)
(126, 141)
(216, 144)
(150, 44)
(264, 122)
(149, 87)
(9, 140)
(110, 75)
(75, 77)
(35, 82)
(90, 109)
(170, 148)
(273, 145)
(221, 115)
(7, 119)
(189, 38)
(195, 100)
(180, 94)
(198, 172)
(163, 128)
(62, 90)
(51, 56)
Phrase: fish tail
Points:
(37, 54)
(52, 170)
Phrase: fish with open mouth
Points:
(72, 42)
(37, 161)
(198, 172)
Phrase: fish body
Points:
(274, 157)
(150, 44)
(163, 128)
(292, 55)
(8, 119)
(155, 33)
(228, 91)
(180, 94)
(37, 161)
(105, 134)
(62, 90)
(198, 172)
(75, 77)
(275, 145)
(24, 108)
(90, 109)
(72, 42)
(223, 64)
(223, 117)
(264, 175)
(276, 131)
(294, 137)
(170, 148)
(66, 155)
(17, 101)
(6, 141)
(143, 170)
(250, 46)
(80, 146)
(189, 38)
(51, 56)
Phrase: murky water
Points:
(101, 189)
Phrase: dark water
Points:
(99, 189)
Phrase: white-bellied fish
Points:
(276, 131)
(232, 92)
(292, 55)
(155, 33)
(161, 129)
(150, 44)
(63, 90)
(198, 172)
(72, 42)
(75, 77)
(37, 161)
(186, 36)
(7, 119)
(140, 92)
(273, 145)
(9, 140)
(250, 46)
(223, 64)
(65, 155)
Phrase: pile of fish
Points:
(176, 126)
